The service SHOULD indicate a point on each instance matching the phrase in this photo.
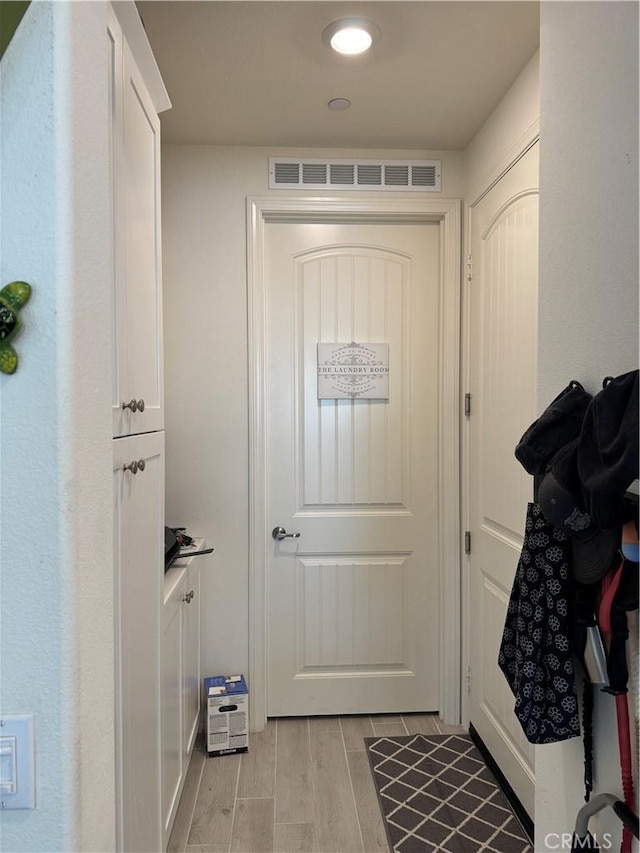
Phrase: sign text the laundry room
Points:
(355, 371)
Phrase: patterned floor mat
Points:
(436, 794)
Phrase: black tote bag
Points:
(535, 653)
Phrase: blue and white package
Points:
(226, 707)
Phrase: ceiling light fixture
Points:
(350, 35)
(339, 104)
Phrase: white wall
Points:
(515, 119)
(204, 193)
(588, 307)
(55, 524)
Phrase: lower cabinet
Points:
(180, 681)
(157, 626)
(138, 476)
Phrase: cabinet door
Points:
(138, 285)
(173, 763)
(191, 662)
(139, 556)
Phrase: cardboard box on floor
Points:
(226, 708)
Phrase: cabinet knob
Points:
(188, 598)
(141, 464)
(134, 405)
(132, 466)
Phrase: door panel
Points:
(138, 286)
(354, 452)
(353, 621)
(139, 520)
(502, 373)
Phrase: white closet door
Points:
(502, 356)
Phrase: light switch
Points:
(17, 763)
(8, 774)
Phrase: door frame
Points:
(295, 208)
(486, 184)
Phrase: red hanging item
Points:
(613, 624)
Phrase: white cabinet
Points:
(138, 474)
(136, 96)
(137, 396)
(180, 680)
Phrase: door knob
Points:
(279, 533)
(134, 405)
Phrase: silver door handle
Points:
(279, 533)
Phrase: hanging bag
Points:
(536, 650)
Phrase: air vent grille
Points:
(314, 173)
(370, 175)
(423, 176)
(394, 175)
(287, 173)
(342, 173)
(397, 176)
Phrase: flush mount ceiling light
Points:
(339, 104)
(350, 35)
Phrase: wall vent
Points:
(317, 174)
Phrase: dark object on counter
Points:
(196, 553)
(182, 537)
(175, 540)
(171, 547)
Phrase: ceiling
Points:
(257, 73)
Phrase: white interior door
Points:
(352, 602)
(502, 374)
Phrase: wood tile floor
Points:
(303, 787)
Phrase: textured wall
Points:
(588, 307)
(55, 524)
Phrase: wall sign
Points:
(353, 371)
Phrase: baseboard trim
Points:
(519, 810)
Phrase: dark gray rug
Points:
(436, 794)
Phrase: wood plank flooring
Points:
(303, 787)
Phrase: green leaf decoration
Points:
(13, 297)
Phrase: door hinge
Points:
(467, 405)
(467, 542)
(468, 679)
(469, 267)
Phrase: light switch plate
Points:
(17, 762)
